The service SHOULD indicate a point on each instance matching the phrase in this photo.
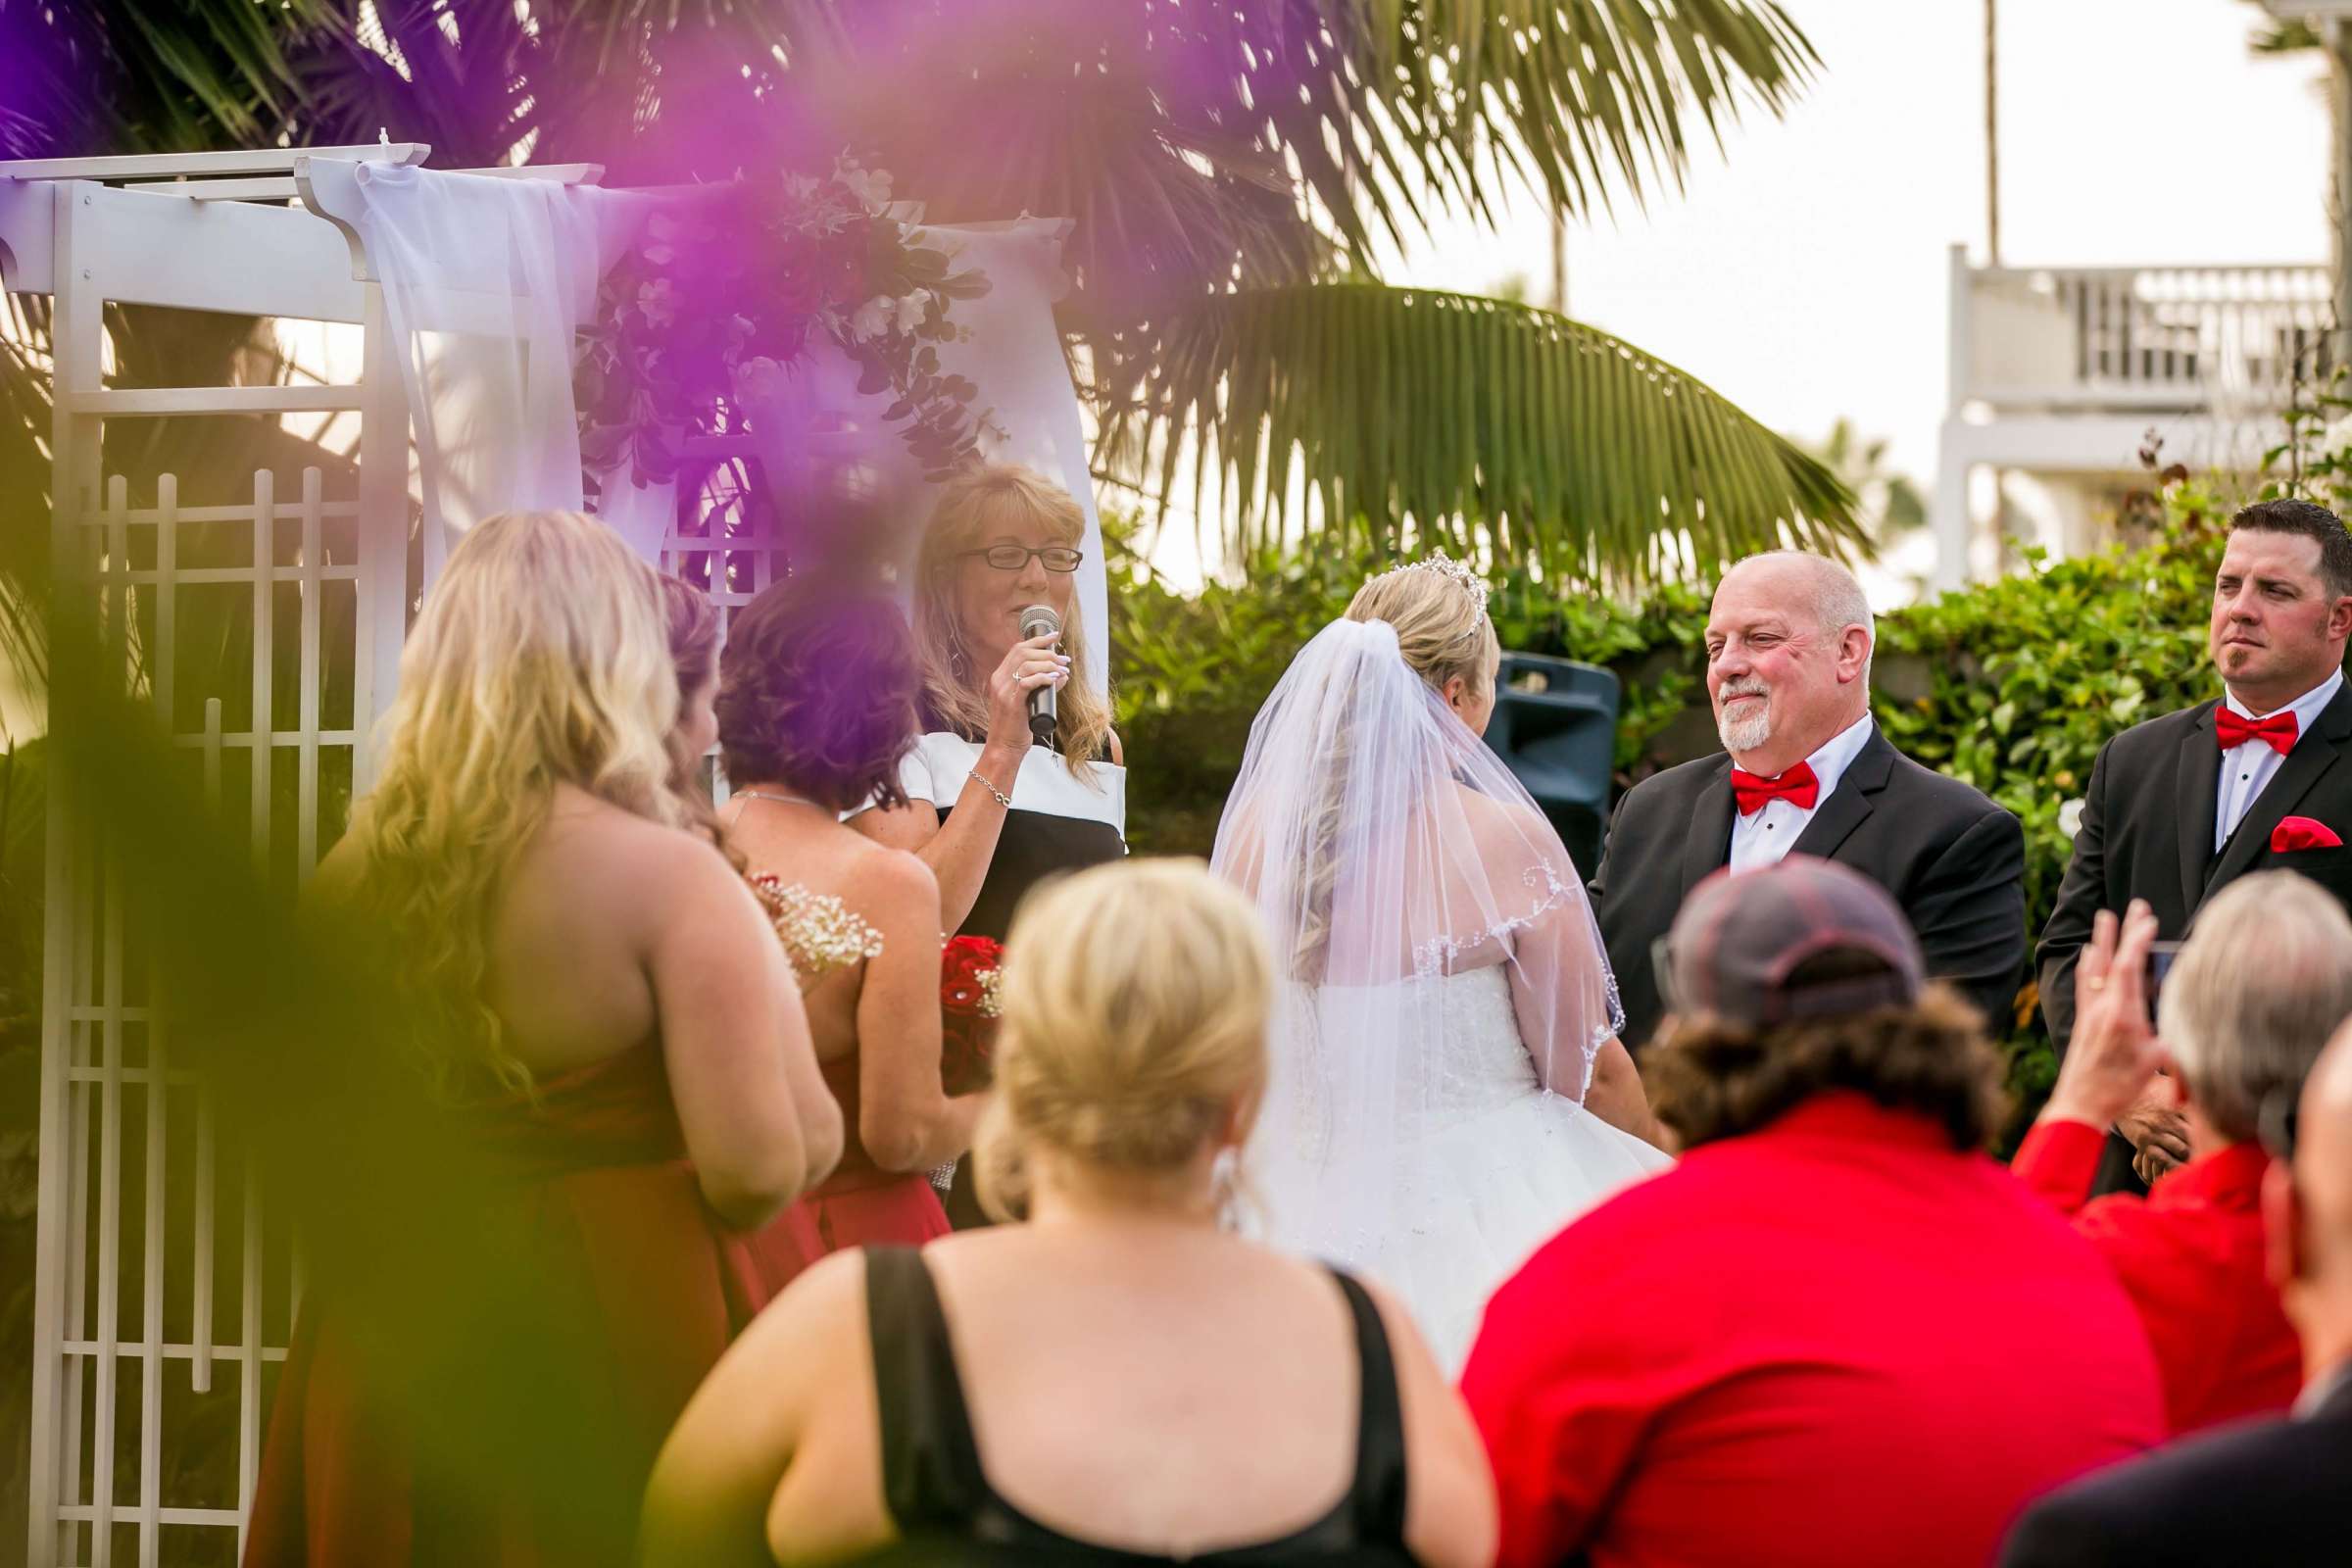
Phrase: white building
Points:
(2058, 376)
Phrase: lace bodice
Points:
(820, 933)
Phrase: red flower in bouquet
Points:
(967, 976)
(968, 971)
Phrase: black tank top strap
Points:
(1378, 1497)
(931, 1476)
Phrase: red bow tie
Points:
(1798, 787)
(2278, 731)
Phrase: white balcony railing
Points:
(2230, 339)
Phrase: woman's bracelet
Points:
(1003, 798)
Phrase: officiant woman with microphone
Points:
(1017, 774)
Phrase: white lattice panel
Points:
(262, 626)
(179, 1290)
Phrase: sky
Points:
(1803, 272)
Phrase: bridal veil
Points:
(1390, 854)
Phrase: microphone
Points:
(1039, 621)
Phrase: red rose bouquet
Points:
(968, 971)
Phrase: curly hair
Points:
(694, 648)
(693, 632)
(538, 660)
(1710, 1079)
(817, 692)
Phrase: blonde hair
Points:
(972, 508)
(1438, 611)
(1136, 999)
(540, 658)
(690, 621)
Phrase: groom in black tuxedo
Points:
(2257, 779)
(1789, 644)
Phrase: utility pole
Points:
(2339, 89)
(1992, 145)
(1559, 258)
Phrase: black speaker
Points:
(1555, 727)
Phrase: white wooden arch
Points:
(164, 1292)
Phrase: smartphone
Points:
(2160, 963)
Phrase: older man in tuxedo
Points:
(2261, 1494)
(2255, 779)
(1788, 646)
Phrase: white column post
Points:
(1948, 512)
(77, 335)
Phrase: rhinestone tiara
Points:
(1460, 571)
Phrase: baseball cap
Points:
(1741, 935)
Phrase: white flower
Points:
(660, 230)
(759, 380)
(2070, 818)
(871, 186)
(911, 307)
(871, 320)
(658, 299)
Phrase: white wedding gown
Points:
(1484, 1165)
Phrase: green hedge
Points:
(2012, 685)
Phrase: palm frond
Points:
(1576, 96)
(148, 75)
(1422, 416)
(1200, 145)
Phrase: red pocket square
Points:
(2303, 833)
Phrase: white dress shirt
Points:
(2246, 769)
(1762, 839)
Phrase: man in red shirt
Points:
(2259, 986)
(1835, 1336)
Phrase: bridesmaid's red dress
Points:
(861, 1205)
(595, 1198)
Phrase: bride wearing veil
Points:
(1447, 1089)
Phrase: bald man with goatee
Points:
(1805, 771)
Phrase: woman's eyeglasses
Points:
(1013, 558)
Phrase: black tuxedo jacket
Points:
(2148, 833)
(1955, 860)
(2265, 1493)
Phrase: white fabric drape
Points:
(484, 280)
(1013, 355)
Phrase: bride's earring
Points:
(1230, 1193)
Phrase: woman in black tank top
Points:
(1119, 1380)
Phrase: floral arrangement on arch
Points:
(726, 289)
